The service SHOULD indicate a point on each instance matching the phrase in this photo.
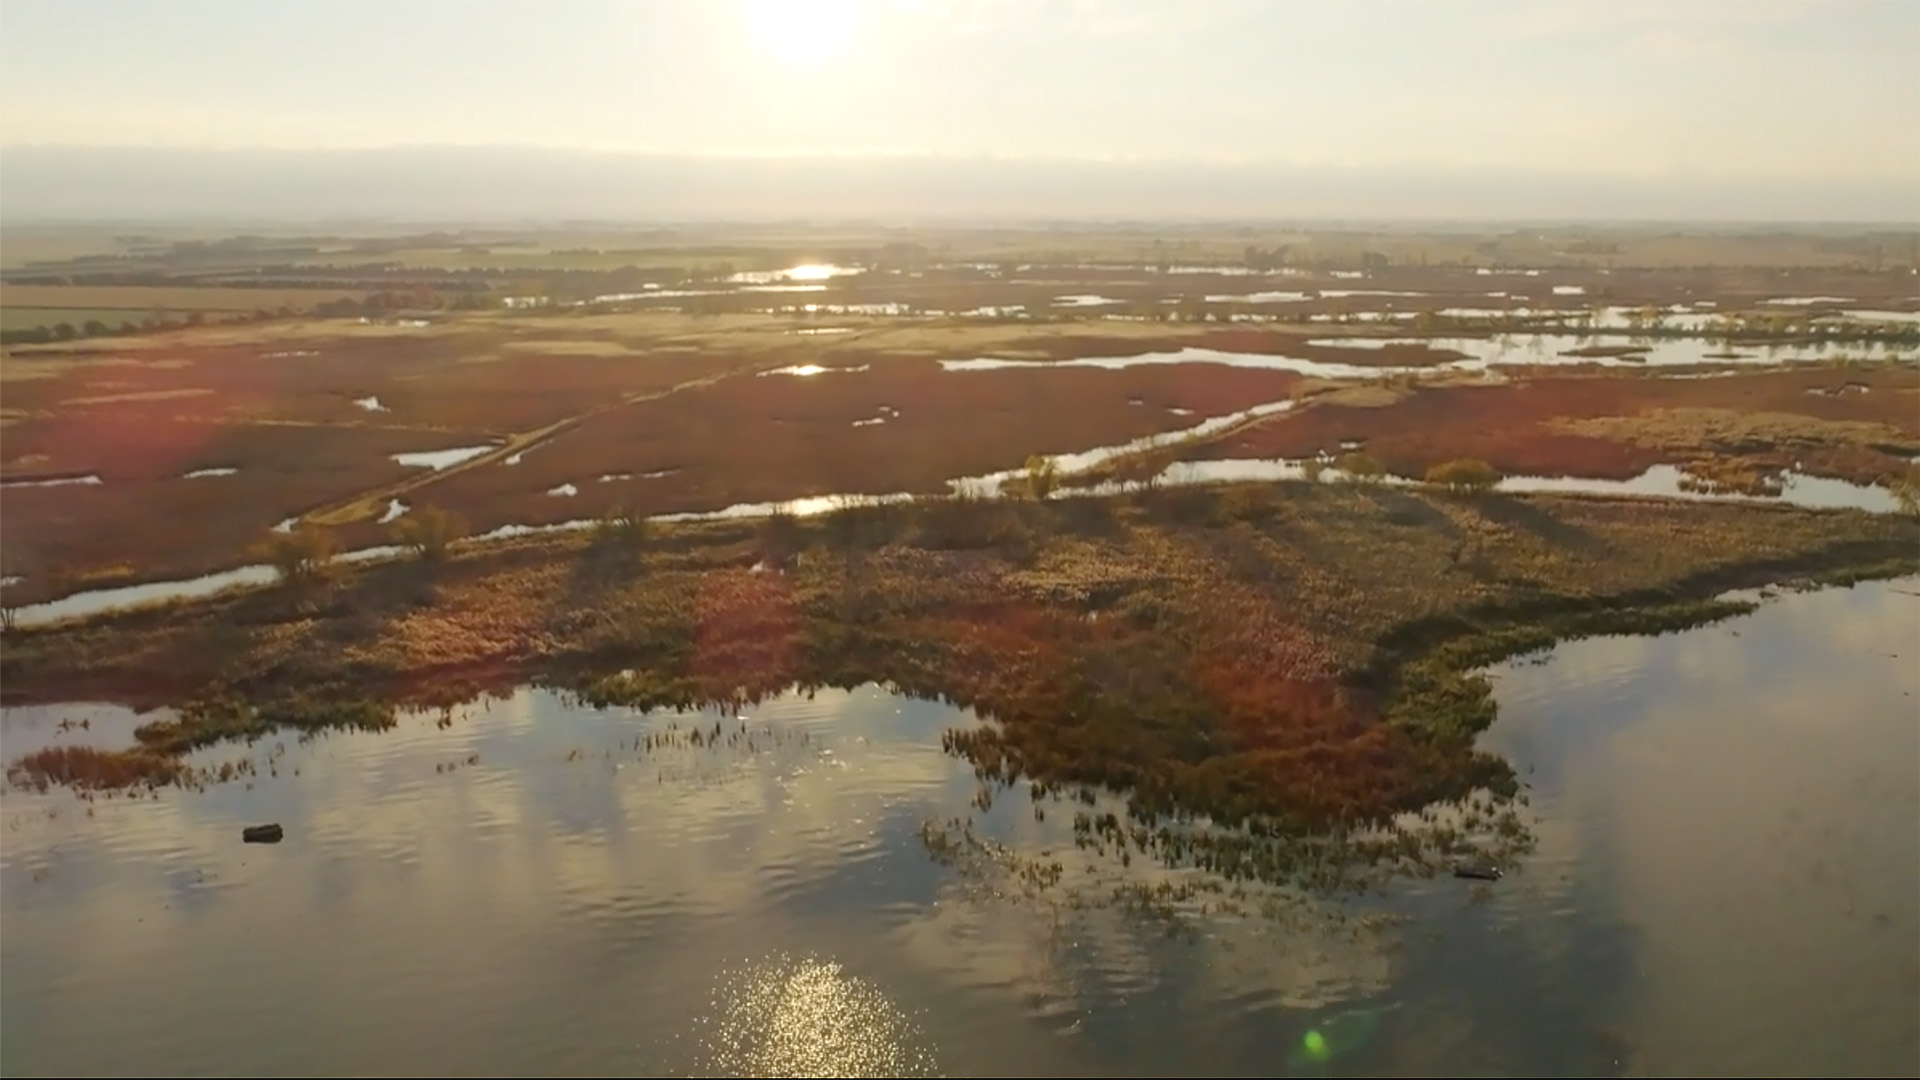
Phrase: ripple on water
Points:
(807, 1016)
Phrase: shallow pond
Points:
(441, 459)
(1481, 353)
(1664, 481)
(1724, 883)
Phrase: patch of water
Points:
(655, 294)
(95, 601)
(218, 471)
(895, 308)
(1808, 301)
(870, 421)
(807, 371)
(1361, 342)
(1319, 368)
(608, 478)
(1362, 316)
(1874, 315)
(1663, 481)
(441, 459)
(1085, 300)
(760, 903)
(815, 331)
(1342, 294)
(370, 404)
(286, 525)
(88, 480)
(395, 508)
(565, 491)
(1569, 290)
(1255, 298)
(803, 272)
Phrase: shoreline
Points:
(1243, 652)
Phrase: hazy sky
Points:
(1752, 109)
(1768, 88)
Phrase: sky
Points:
(1766, 92)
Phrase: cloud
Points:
(1646, 19)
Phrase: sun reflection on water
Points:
(787, 1016)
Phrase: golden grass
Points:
(1728, 429)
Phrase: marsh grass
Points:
(1278, 660)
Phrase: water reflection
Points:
(1742, 799)
(1725, 883)
(785, 1017)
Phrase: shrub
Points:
(1906, 490)
(304, 554)
(780, 535)
(1464, 475)
(622, 529)
(1361, 468)
(1253, 503)
(429, 532)
(1043, 475)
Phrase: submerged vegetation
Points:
(1282, 660)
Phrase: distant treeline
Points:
(374, 305)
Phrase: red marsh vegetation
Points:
(1552, 426)
(773, 437)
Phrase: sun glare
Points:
(804, 33)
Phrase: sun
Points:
(804, 33)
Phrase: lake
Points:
(1726, 880)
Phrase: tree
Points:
(1465, 475)
(429, 532)
(1043, 476)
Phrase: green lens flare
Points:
(1315, 1045)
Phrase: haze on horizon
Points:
(1721, 109)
